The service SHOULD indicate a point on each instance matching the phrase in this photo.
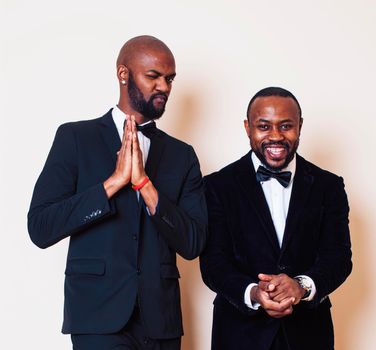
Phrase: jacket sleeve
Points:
(333, 262)
(184, 224)
(218, 267)
(56, 209)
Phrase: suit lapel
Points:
(110, 135)
(303, 181)
(155, 153)
(252, 189)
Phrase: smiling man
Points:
(129, 197)
(279, 240)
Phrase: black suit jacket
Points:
(117, 252)
(243, 242)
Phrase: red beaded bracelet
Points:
(141, 184)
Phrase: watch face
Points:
(305, 283)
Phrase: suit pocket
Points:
(169, 271)
(91, 266)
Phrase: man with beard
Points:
(129, 197)
(279, 240)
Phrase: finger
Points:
(264, 277)
(134, 128)
(266, 286)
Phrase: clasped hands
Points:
(130, 167)
(277, 294)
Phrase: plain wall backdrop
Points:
(58, 65)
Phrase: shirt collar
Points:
(119, 116)
(290, 167)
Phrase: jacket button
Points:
(281, 267)
(138, 271)
(135, 237)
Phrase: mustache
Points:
(159, 94)
(278, 143)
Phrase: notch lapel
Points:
(155, 153)
(247, 179)
(303, 181)
(110, 135)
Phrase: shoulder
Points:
(86, 124)
(320, 175)
(173, 142)
(230, 171)
(177, 150)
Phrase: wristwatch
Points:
(306, 285)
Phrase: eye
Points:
(263, 127)
(152, 76)
(285, 127)
(169, 80)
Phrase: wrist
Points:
(139, 184)
(253, 294)
(305, 287)
(113, 184)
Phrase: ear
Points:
(300, 124)
(122, 73)
(247, 127)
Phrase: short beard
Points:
(139, 104)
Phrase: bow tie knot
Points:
(147, 129)
(283, 177)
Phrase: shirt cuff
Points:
(247, 297)
(313, 287)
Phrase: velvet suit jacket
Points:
(243, 242)
(117, 252)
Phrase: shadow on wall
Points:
(196, 302)
(185, 121)
(196, 298)
(350, 299)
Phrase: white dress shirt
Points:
(278, 199)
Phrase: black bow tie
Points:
(147, 129)
(264, 174)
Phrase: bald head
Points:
(144, 44)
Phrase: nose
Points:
(275, 135)
(162, 85)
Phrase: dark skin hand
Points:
(130, 168)
(280, 287)
(276, 309)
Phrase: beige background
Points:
(57, 65)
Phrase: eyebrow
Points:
(262, 120)
(159, 73)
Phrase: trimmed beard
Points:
(139, 103)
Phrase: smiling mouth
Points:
(276, 151)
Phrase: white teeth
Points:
(275, 151)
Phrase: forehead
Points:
(158, 60)
(274, 107)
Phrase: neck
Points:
(129, 111)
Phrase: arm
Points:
(333, 262)
(183, 225)
(56, 209)
(218, 266)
